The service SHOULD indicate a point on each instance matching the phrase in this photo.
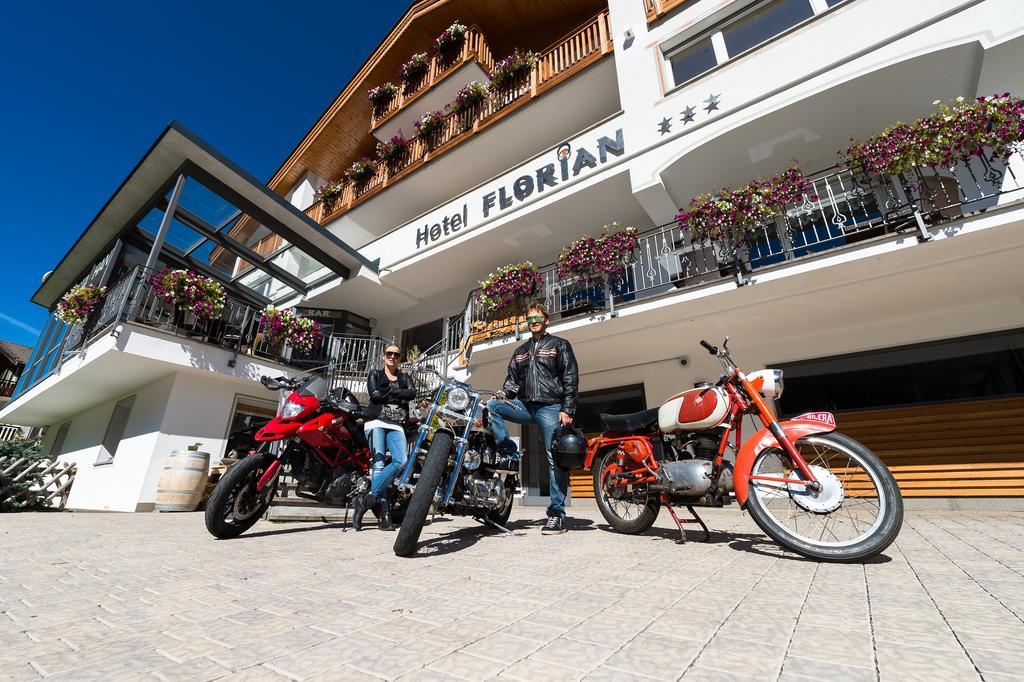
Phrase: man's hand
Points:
(501, 395)
(565, 417)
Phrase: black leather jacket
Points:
(545, 372)
(385, 392)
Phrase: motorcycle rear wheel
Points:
(856, 515)
(631, 513)
(235, 506)
(423, 495)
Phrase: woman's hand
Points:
(565, 418)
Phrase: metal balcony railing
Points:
(578, 50)
(839, 212)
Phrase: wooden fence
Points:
(51, 480)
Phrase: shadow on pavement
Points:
(753, 543)
(467, 537)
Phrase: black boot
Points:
(362, 504)
(383, 512)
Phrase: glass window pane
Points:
(265, 285)
(218, 258)
(692, 61)
(765, 23)
(199, 200)
(295, 262)
(833, 3)
(115, 430)
(178, 235)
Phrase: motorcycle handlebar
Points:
(711, 349)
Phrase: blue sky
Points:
(85, 88)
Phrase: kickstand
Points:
(493, 524)
(679, 522)
(344, 520)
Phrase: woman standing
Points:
(390, 392)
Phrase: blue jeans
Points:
(546, 419)
(392, 441)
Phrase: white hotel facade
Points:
(904, 317)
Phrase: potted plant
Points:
(328, 194)
(77, 304)
(414, 68)
(512, 68)
(451, 38)
(189, 292)
(985, 127)
(507, 289)
(281, 326)
(732, 216)
(360, 171)
(429, 124)
(469, 97)
(394, 150)
(593, 260)
(382, 95)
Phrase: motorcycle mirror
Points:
(725, 344)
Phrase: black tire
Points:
(648, 506)
(222, 519)
(423, 496)
(885, 523)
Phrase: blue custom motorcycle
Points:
(453, 466)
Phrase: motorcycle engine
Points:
(690, 477)
(485, 493)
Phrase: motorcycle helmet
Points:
(568, 447)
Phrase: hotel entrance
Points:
(536, 485)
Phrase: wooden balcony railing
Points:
(581, 48)
(656, 8)
(474, 47)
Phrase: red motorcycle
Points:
(317, 434)
(815, 491)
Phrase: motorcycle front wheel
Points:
(235, 505)
(423, 494)
(855, 515)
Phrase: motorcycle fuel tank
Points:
(693, 410)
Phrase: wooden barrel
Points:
(182, 481)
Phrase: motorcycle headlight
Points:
(471, 460)
(458, 399)
(778, 383)
(290, 410)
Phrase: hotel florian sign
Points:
(563, 164)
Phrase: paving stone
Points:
(806, 668)
(899, 662)
(655, 656)
(583, 656)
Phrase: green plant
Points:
(382, 94)
(952, 134)
(513, 67)
(78, 303)
(509, 284)
(451, 37)
(429, 123)
(413, 68)
(469, 96)
(11, 451)
(591, 260)
(359, 171)
(735, 214)
(200, 295)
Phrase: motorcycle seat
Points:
(637, 421)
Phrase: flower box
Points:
(429, 125)
(189, 292)
(414, 68)
(328, 195)
(469, 97)
(593, 260)
(78, 303)
(513, 68)
(279, 326)
(451, 38)
(507, 289)
(360, 171)
(393, 151)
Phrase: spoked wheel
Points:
(856, 513)
(423, 495)
(501, 515)
(235, 505)
(630, 511)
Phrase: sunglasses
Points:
(535, 319)
(392, 354)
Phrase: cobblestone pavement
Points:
(127, 597)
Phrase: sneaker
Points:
(554, 526)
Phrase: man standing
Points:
(544, 381)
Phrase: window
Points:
(424, 336)
(690, 56)
(764, 23)
(115, 430)
(692, 60)
(249, 416)
(57, 449)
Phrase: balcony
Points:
(844, 214)
(7, 389)
(580, 49)
(474, 51)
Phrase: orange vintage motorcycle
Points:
(813, 490)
